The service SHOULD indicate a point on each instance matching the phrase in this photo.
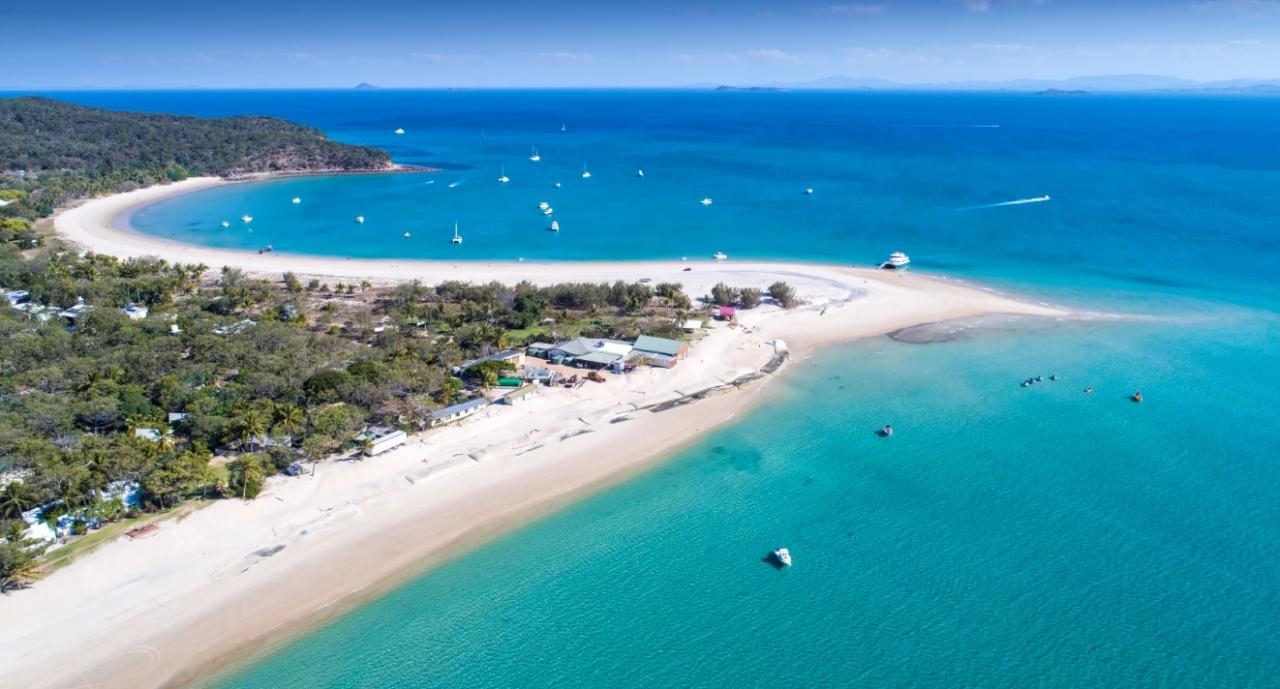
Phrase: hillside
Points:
(56, 151)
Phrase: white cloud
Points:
(858, 9)
(773, 55)
(442, 57)
(977, 5)
(1247, 7)
(571, 58)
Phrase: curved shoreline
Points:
(198, 594)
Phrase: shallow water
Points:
(1003, 537)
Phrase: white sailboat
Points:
(585, 173)
(504, 178)
(457, 238)
(359, 219)
(535, 157)
(639, 173)
(562, 128)
(783, 557)
(407, 235)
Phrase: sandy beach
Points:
(231, 576)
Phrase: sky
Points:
(639, 43)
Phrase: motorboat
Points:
(720, 256)
(1137, 396)
(457, 238)
(706, 201)
(555, 226)
(407, 235)
(400, 130)
(297, 199)
(808, 191)
(548, 210)
(226, 223)
(782, 556)
(557, 185)
(639, 173)
(886, 431)
(246, 218)
(359, 219)
(897, 261)
(543, 205)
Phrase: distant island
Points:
(1062, 92)
(54, 151)
(724, 87)
(365, 86)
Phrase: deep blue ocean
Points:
(1004, 537)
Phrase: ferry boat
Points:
(706, 201)
(359, 219)
(246, 218)
(297, 199)
(555, 226)
(457, 238)
(897, 261)
(783, 557)
(720, 256)
(535, 157)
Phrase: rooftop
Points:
(660, 345)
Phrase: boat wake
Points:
(1015, 202)
(454, 184)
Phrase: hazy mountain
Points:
(1102, 82)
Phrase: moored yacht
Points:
(555, 226)
(407, 235)
(226, 223)
(535, 157)
(246, 218)
(543, 205)
(504, 178)
(897, 261)
(457, 238)
(808, 191)
(297, 199)
(548, 210)
(783, 557)
(399, 130)
(359, 219)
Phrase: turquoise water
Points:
(1003, 537)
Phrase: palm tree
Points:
(15, 499)
(290, 418)
(250, 426)
(365, 284)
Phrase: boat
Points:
(543, 205)
(585, 173)
(1088, 390)
(897, 261)
(555, 226)
(407, 235)
(706, 201)
(504, 178)
(1137, 396)
(457, 238)
(548, 210)
(782, 556)
(400, 130)
(226, 223)
(557, 185)
(808, 191)
(639, 173)
(562, 128)
(1053, 377)
(886, 431)
(297, 199)
(359, 219)
(535, 157)
(246, 218)
(453, 185)
(719, 256)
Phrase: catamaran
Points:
(457, 238)
(535, 157)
